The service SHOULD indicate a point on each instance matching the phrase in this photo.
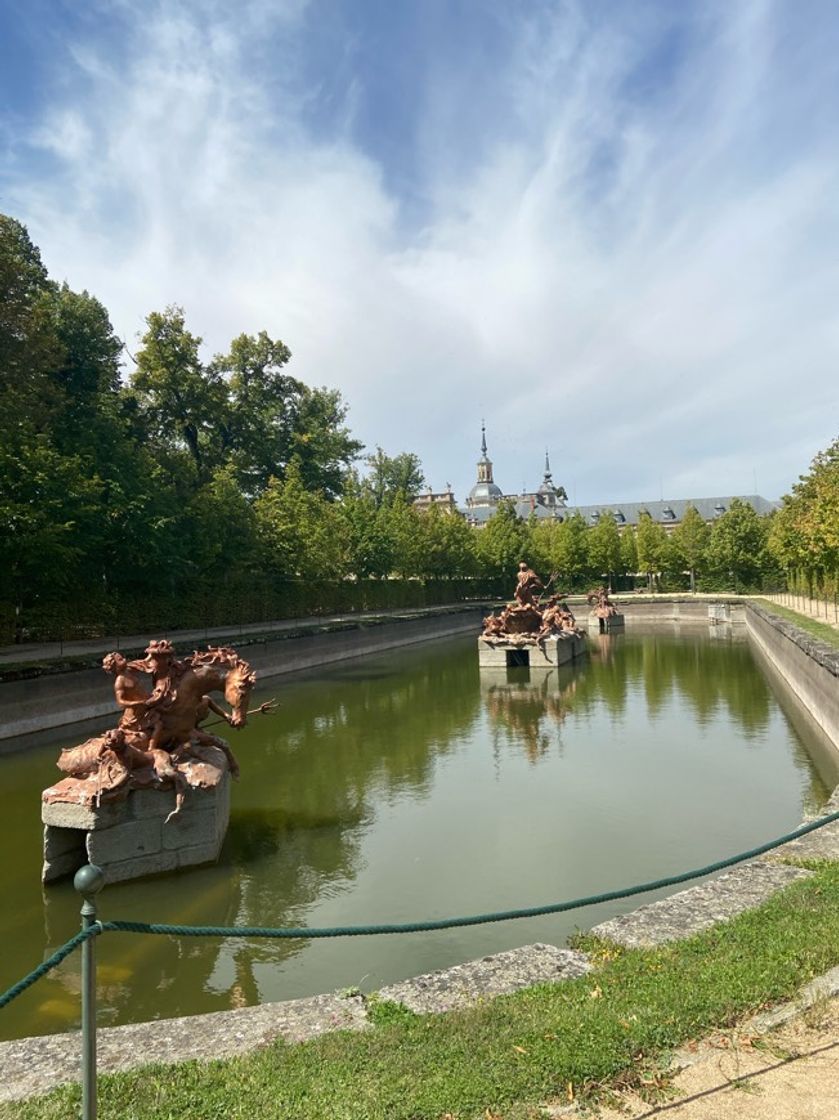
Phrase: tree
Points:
(629, 553)
(651, 545)
(571, 558)
(272, 417)
(390, 476)
(690, 541)
(604, 547)
(500, 543)
(447, 547)
(184, 404)
(296, 529)
(737, 545)
(367, 545)
(804, 532)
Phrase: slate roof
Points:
(667, 511)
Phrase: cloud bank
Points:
(612, 233)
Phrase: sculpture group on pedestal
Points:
(528, 620)
(158, 742)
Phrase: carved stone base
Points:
(553, 651)
(131, 838)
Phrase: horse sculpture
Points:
(159, 741)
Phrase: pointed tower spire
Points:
(547, 467)
(484, 492)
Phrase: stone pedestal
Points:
(553, 651)
(131, 838)
(607, 625)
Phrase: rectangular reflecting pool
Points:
(410, 786)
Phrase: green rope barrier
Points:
(474, 920)
(50, 963)
(407, 927)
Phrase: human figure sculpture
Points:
(139, 718)
(603, 606)
(527, 585)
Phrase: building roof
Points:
(667, 511)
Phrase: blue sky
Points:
(610, 229)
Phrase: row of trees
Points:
(730, 553)
(189, 481)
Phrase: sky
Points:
(610, 230)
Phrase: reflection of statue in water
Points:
(158, 741)
(526, 709)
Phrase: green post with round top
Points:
(88, 881)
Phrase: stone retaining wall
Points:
(809, 667)
(55, 700)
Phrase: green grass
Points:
(615, 1026)
(821, 630)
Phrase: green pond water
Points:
(409, 786)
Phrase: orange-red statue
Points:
(158, 741)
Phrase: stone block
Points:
(67, 864)
(199, 853)
(59, 841)
(152, 864)
(189, 828)
(146, 804)
(63, 814)
(491, 657)
(124, 842)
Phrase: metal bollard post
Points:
(88, 881)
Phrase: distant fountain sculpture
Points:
(607, 614)
(157, 746)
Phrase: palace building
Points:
(551, 501)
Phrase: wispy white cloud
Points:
(627, 248)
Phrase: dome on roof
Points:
(485, 494)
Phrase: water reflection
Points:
(527, 706)
(684, 668)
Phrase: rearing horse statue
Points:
(158, 738)
(180, 700)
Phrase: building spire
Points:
(483, 439)
(547, 467)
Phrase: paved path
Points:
(790, 1072)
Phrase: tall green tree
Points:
(500, 544)
(629, 553)
(604, 547)
(690, 542)
(651, 546)
(737, 546)
(571, 557)
(447, 545)
(392, 475)
(184, 405)
(296, 529)
(271, 417)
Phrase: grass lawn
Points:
(615, 1026)
(828, 634)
